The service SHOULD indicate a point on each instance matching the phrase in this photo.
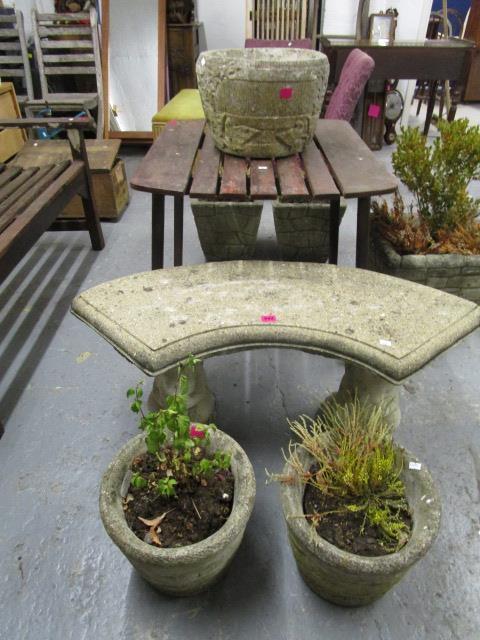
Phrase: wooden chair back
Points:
(14, 62)
(66, 44)
(279, 19)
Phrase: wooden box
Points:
(11, 140)
(110, 184)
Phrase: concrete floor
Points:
(62, 398)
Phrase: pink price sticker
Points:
(374, 110)
(173, 122)
(286, 93)
(269, 319)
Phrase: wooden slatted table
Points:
(184, 161)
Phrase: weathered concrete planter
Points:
(303, 230)
(450, 272)
(348, 579)
(227, 230)
(186, 570)
(262, 103)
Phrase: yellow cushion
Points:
(186, 105)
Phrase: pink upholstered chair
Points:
(356, 71)
(255, 43)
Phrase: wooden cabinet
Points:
(11, 140)
(183, 50)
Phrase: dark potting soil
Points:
(344, 529)
(199, 509)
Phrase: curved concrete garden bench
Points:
(383, 327)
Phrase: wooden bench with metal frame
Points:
(31, 199)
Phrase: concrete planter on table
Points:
(303, 230)
(352, 580)
(449, 272)
(262, 103)
(185, 570)
(227, 230)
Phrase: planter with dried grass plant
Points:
(436, 240)
(346, 485)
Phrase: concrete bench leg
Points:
(201, 402)
(227, 230)
(303, 230)
(367, 384)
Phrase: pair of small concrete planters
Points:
(338, 576)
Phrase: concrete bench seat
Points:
(392, 327)
(384, 328)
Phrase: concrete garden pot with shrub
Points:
(383, 488)
(177, 499)
(348, 579)
(451, 272)
(188, 570)
(435, 241)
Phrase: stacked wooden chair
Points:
(14, 62)
(67, 45)
(281, 19)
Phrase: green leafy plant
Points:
(355, 459)
(444, 216)
(179, 446)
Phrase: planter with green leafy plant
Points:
(360, 511)
(436, 240)
(177, 499)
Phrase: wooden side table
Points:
(433, 60)
(183, 161)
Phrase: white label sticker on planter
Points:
(416, 466)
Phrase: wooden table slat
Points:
(205, 180)
(262, 180)
(292, 178)
(166, 169)
(322, 185)
(355, 169)
(234, 177)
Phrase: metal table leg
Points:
(334, 227)
(363, 232)
(178, 231)
(158, 230)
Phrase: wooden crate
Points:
(110, 184)
(11, 140)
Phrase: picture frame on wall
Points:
(381, 28)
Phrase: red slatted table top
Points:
(183, 160)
